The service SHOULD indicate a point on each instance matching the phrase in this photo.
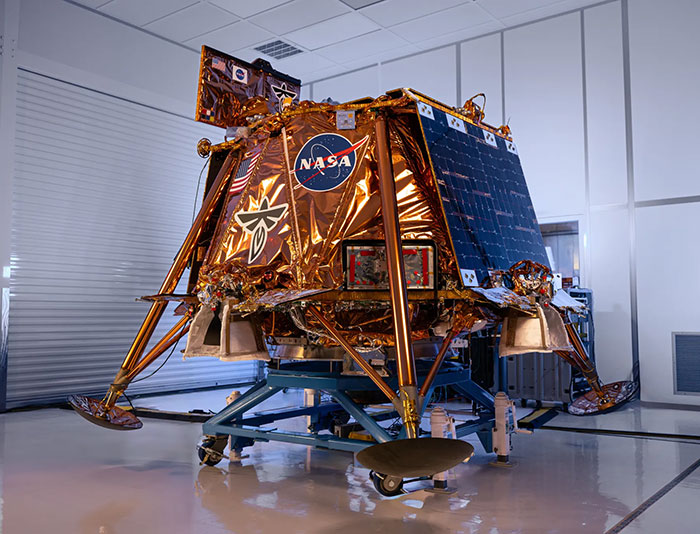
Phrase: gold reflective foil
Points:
(302, 250)
(305, 251)
(231, 90)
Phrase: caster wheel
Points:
(387, 485)
(211, 450)
(523, 403)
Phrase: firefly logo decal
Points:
(282, 91)
(258, 223)
(326, 161)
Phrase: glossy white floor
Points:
(61, 474)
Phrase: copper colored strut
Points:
(579, 358)
(458, 326)
(131, 360)
(177, 332)
(432, 373)
(357, 358)
(405, 362)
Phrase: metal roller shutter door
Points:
(103, 195)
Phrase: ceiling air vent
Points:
(278, 49)
(686, 363)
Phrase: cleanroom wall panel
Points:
(348, 86)
(433, 73)
(667, 260)
(664, 51)
(101, 203)
(608, 277)
(69, 42)
(481, 73)
(544, 105)
(605, 99)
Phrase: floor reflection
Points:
(312, 491)
(64, 476)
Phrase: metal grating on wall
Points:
(686, 363)
(103, 196)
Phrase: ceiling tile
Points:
(460, 35)
(544, 11)
(299, 14)
(139, 12)
(94, 4)
(247, 9)
(359, 4)
(391, 12)
(504, 8)
(405, 50)
(299, 65)
(250, 55)
(325, 73)
(233, 37)
(438, 24)
(363, 46)
(191, 22)
(332, 31)
(302, 64)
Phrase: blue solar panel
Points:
(487, 204)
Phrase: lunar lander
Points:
(350, 247)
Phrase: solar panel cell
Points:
(484, 194)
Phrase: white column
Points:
(9, 31)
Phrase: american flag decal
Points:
(218, 63)
(245, 171)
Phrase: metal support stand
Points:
(502, 373)
(246, 430)
(441, 425)
(506, 424)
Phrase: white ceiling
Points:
(334, 37)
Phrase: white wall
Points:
(55, 38)
(608, 249)
(432, 73)
(67, 41)
(605, 105)
(665, 47)
(609, 276)
(563, 86)
(544, 103)
(668, 260)
(9, 22)
(480, 70)
(347, 87)
(665, 77)
(61, 40)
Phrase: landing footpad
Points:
(94, 411)
(616, 393)
(415, 457)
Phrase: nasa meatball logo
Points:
(326, 161)
(241, 75)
